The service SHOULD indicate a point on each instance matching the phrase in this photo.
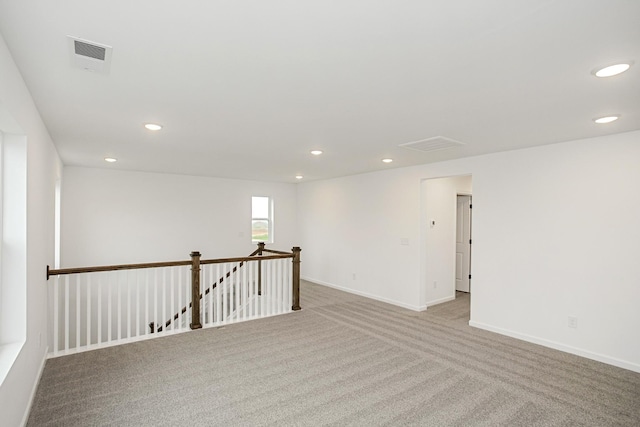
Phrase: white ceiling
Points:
(246, 88)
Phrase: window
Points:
(261, 220)
(13, 238)
(13, 248)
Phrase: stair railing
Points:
(94, 307)
(207, 290)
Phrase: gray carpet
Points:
(342, 360)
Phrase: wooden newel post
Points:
(296, 278)
(260, 249)
(195, 290)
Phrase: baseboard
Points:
(558, 346)
(439, 301)
(365, 294)
(32, 396)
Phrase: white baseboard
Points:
(365, 294)
(32, 395)
(439, 301)
(558, 346)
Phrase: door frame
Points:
(470, 195)
(429, 295)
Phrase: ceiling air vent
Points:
(90, 56)
(432, 144)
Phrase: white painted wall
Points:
(355, 226)
(440, 204)
(555, 234)
(43, 167)
(121, 217)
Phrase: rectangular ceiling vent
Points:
(90, 56)
(432, 144)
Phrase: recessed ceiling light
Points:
(612, 70)
(316, 152)
(153, 126)
(299, 176)
(110, 159)
(608, 119)
(387, 160)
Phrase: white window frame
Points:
(13, 275)
(268, 219)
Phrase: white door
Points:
(463, 244)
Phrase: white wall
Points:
(43, 167)
(555, 234)
(351, 232)
(119, 217)
(440, 205)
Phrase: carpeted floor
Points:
(342, 360)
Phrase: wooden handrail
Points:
(62, 271)
(247, 258)
(59, 272)
(272, 251)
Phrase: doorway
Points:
(439, 198)
(463, 244)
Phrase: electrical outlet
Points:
(354, 276)
(572, 322)
(435, 285)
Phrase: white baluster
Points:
(99, 310)
(266, 292)
(206, 307)
(218, 299)
(66, 312)
(236, 290)
(129, 289)
(201, 301)
(56, 314)
(290, 285)
(274, 275)
(278, 285)
(119, 296)
(78, 302)
(138, 303)
(244, 290)
(272, 288)
(155, 299)
(226, 300)
(252, 289)
(173, 290)
(187, 295)
(179, 319)
(146, 302)
(164, 299)
(263, 288)
(109, 307)
(210, 283)
(88, 310)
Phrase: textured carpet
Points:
(342, 360)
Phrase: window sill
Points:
(8, 355)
